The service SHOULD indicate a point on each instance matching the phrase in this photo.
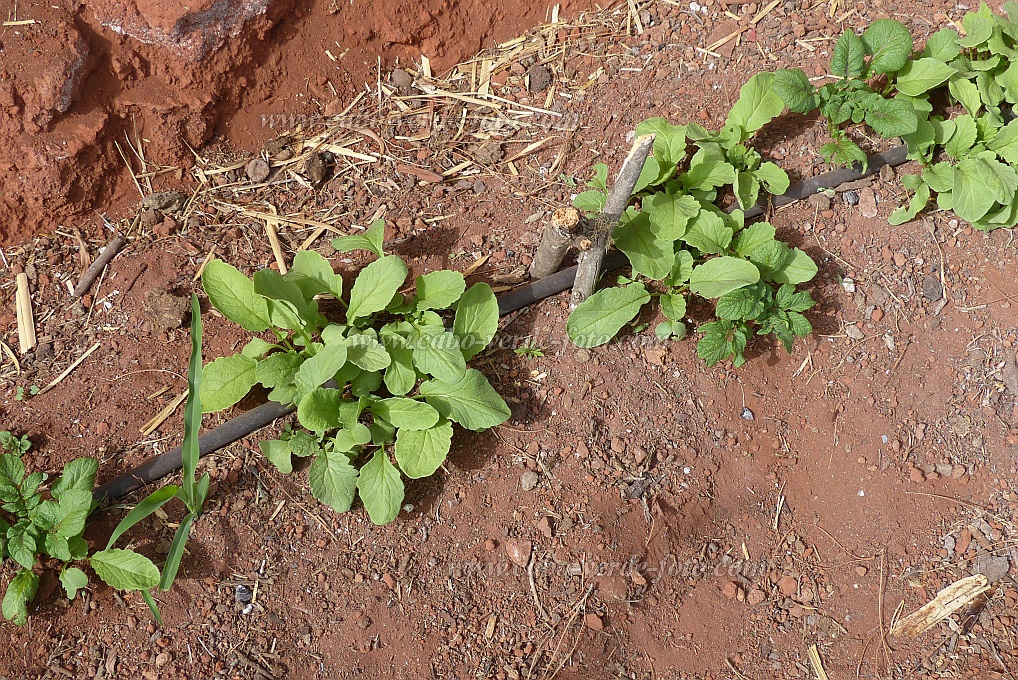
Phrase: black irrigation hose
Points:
(237, 428)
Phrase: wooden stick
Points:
(588, 267)
(109, 252)
(26, 321)
(555, 242)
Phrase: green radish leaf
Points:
(966, 93)
(648, 254)
(20, 591)
(721, 275)
(1008, 81)
(709, 234)
(313, 275)
(406, 414)
(923, 75)
(421, 452)
(227, 380)
(773, 178)
(79, 474)
(597, 319)
(371, 240)
(365, 352)
(375, 287)
(380, 488)
(669, 140)
(278, 369)
(943, 45)
(476, 319)
(470, 401)
(400, 376)
(673, 306)
(889, 44)
(437, 352)
(333, 480)
(682, 268)
(233, 295)
(278, 453)
(963, 138)
(915, 206)
(753, 237)
(670, 213)
(318, 410)
(848, 59)
(798, 268)
(73, 580)
(747, 189)
(439, 290)
(125, 569)
(978, 27)
(758, 105)
(256, 348)
(795, 90)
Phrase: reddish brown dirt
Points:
(86, 75)
(893, 458)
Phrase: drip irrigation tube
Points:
(243, 425)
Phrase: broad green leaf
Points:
(963, 138)
(752, 237)
(795, 90)
(891, 118)
(965, 92)
(476, 319)
(590, 201)
(720, 275)
(380, 488)
(278, 369)
(125, 569)
(73, 580)
(439, 290)
(256, 348)
(843, 151)
(943, 45)
(20, 591)
(333, 480)
(271, 285)
(939, 177)
(73, 509)
(318, 411)
(648, 254)
(365, 383)
(652, 174)
(741, 304)
(921, 142)
(747, 189)
(371, 240)
(78, 474)
(226, 381)
(773, 178)
(972, 197)
(600, 178)
(707, 172)
(990, 91)
(470, 401)
(12, 473)
(400, 376)
(278, 453)
(313, 274)
(669, 140)
(21, 544)
(681, 268)
(1005, 143)
(923, 75)
(673, 306)
(321, 367)
(708, 234)
(889, 44)
(406, 414)
(919, 200)
(437, 352)
(375, 286)
(978, 27)
(421, 452)
(597, 319)
(365, 352)
(233, 295)
(798, 268)
(670, 213)
(758, 104)
(1008, 80)
(848, 59)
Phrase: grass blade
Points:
(146, 507)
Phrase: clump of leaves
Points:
(35, 525)
(683, 243)
(19, 446)
(883, 50)
(969, 160)
(386, 383)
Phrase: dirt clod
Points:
(519, 551)
(593, 622)
(165, 309)
(528, 480)
(257, 170)
(540, 78)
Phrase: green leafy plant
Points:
(129, 570)
(35, 525)
(19, 446)
(679, 242)
(391, 378)
(19, 392)
(969, 160)
(529, 352)
(883, 50)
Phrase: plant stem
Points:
(588, 267)
(555, 242)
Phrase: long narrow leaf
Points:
(176, 552)
(150, 601)
(155, 500)
(189, 450)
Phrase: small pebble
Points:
(243, 594)
(850, 198)
(257, 170)
(528, 480)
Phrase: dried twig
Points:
(588, 269)
(555, 242)
(26, 320)
(67, 371)
(109, 252)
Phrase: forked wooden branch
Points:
(588, 267)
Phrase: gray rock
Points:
(528, 480)
(932, 288)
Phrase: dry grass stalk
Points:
(67, 371)
(817, 663)
(949, 600)
(26, 320)
(153, 424)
